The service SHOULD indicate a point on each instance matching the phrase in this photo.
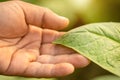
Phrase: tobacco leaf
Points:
(107, 77)
(99, 42)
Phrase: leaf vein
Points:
(92, 32)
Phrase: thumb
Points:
(42, 17)
(15, 16)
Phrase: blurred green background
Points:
(80, 12)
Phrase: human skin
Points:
(27, 50)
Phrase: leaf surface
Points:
(99, 42)
(107, 77)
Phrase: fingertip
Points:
(53, 21)
(79, 61)
(62, 69)
(85, 62)
(65, 22)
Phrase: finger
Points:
(75, 59)
(44, 17)
(36, 69)
(53, 49)
(48, 36)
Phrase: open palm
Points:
(27, 50)
(35, 55)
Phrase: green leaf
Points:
(107, 77)
(99, 42)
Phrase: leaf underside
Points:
(99, 42)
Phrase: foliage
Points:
(107, 77)
(99, 42)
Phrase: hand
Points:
(27, 50)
